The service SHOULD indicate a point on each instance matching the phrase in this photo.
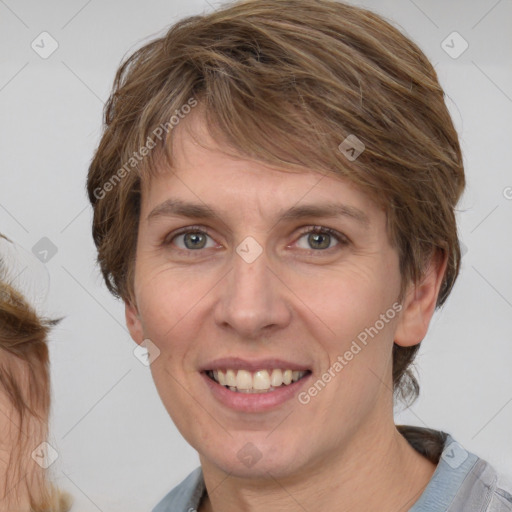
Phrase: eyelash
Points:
(342, 239)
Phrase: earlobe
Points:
(419, 304)
(133, 322)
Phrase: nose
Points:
(253, 299)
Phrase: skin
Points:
(296, 302)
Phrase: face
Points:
(250, 293)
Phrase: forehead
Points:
(203, 173)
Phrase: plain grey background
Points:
(118, 450)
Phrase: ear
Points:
(420, 301)
(133, 322)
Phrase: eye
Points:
(192, 238)
(320, 238)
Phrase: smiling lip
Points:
(237, 363)
(253, 402)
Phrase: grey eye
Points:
(319, 240)
(194, 240)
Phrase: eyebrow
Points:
(179, 208)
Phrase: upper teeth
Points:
(259, 380)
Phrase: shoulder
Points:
(500, 493)
(185, 496)
(485, 490)
(462, 481)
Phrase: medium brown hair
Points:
(25, 393)
(285, 82)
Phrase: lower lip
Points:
(254, 402)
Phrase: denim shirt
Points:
(462, 482)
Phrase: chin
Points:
(255, 459)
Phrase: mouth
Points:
(260, 381)
(254, 385)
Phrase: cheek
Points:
(171, 385)
(356, 307)
(345, 299)
(167, 297)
